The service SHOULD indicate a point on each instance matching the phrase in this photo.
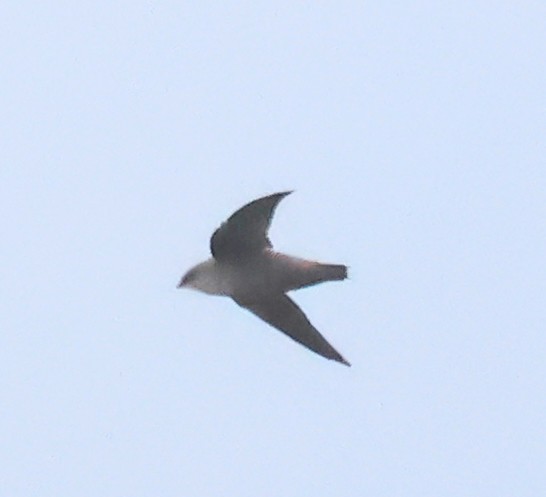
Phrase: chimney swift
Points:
(245, 267)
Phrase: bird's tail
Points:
(332, 272)
(294, 272)
(314, 273)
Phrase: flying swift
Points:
(245, 267)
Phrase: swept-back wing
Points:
(245, 232)
(281, 312)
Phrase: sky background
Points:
(414, 136)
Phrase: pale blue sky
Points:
(414, 136)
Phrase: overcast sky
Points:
(414, 136)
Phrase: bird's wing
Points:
(282, 312)
(245, 232)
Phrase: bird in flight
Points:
(245, 267)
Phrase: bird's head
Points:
(188, 278)
(203, 277)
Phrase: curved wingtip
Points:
(344, 361)
(283, 194)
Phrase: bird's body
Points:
(258, 277)
(246, 268)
